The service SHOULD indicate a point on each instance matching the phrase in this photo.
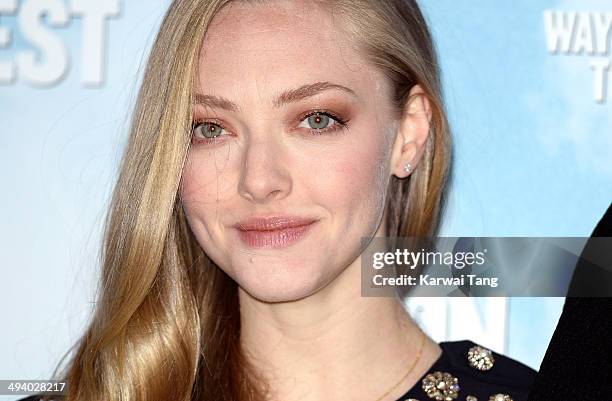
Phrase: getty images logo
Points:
(45, 61)
(582, 33)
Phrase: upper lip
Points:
(270, 223)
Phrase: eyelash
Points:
(340, 123)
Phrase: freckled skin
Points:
(269, 162)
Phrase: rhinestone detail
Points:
(441, 386)
(480, 358)
(500, 397)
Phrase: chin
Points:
(279, 284)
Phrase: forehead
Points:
(267, 47)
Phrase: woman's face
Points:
(262, 159)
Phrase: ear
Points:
(411, 137)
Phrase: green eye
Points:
(318, 121)
(207, 130)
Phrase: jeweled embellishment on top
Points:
(471, 398)
(441, 386)
(500, 397)
(480, 358)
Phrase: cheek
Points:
(355, 177)
(205, 179)
(203, 191)
(202, 202)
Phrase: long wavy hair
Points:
(166, 324)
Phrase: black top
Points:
(581, 347)
(506, 376)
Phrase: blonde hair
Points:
(167, 325)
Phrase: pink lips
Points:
(274, 231)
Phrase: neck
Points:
(334, 344)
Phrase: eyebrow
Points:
(289, 96)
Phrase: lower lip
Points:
(274, 238)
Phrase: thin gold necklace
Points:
(416, 360)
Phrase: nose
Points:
(265, 172)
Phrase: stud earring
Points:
(407, 167)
